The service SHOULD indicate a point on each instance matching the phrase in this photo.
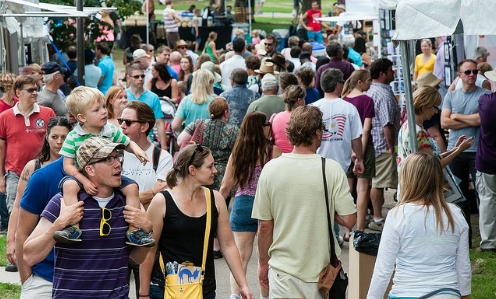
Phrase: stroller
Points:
(169, 110)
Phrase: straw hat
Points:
(266, 68)
(428, 79)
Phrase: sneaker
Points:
(377, 226)
(11, 268)
(218, 254)
(138, 237)
(481, 250)
(69, 234)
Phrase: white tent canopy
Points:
(417, 19)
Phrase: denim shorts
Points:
(241, 220)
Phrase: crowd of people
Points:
(136, 170)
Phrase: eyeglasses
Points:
(150, 50)
(198, 149)
(467, 72)
(183, 47)
(139, 76)
(268, 45)
(105, 227)
(267, 124)
(31, 90)
(110, 159)
(128, 122)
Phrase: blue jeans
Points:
(4, 213)
(315, 36)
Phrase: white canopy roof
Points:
(416, 19)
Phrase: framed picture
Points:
(447, 52)
(451, 191)
(447, 76)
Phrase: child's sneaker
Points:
(138, 237)
(69, 234)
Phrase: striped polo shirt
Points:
(96, 267)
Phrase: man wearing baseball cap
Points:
(53, 76)
(140, 57)
(105, 222)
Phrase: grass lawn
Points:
(7, 290)
(3, 247)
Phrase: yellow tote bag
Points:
(176, 287)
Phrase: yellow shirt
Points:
(421, 67)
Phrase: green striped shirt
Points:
(77, 136)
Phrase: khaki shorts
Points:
(386, 170)
(368, 164)
(36, 287)
(284, 285)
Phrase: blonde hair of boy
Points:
(82, 97)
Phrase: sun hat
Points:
(279, 59)
(266, 68)
(269, 81)
(181, 43)
(210, 66)
(428, 79)
(491, 75)
(95, 148)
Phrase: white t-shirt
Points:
(425, 260)
(144, 175)
(342, 125)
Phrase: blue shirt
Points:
(239, 98)
(313, 95)
(150, 99)
(41, 187)
(173, 73)
(190, 111)
(108, 67)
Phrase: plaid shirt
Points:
(387, 111)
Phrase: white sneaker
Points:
(377, 226)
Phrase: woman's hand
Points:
(246, 293)
(465, 143)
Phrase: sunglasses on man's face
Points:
(138, 76)
(268, 45)
(31, 90)
(128, 122)
(467, 72)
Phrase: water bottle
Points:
(210, 21)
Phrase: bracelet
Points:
(144, 295)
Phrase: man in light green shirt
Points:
(293, 237)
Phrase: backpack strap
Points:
(156, 157)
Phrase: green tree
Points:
(63, 30)
(307, 4)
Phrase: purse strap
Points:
(198, 134)
(333, 257)
(208, 193)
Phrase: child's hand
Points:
(141, 155)
(90, 188)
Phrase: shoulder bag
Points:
(332, 280)
(187, 283)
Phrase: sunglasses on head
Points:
(105, 227)
(139, 76)
(467, 72)
(198, 149)
(128, 122)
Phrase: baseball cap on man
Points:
(140, 53)
(51, 67)
(95, 148)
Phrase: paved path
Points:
(221, 269)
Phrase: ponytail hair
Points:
(352, 81)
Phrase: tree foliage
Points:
(307, 4)
(63, 30)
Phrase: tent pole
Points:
(405, 61)
(80, 44)
(148, 24)
(2, 44)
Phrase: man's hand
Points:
(246, 293)
(263, 275)
(137, 218)
(70, 215)
(358, 169)
(3, 188)
(11, 253)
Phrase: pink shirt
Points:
(279, 123)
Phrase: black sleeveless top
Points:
(182, 239)
(162, 92)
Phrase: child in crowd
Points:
(255, 37)
(88, 106)
(239, 33)
(195, 30)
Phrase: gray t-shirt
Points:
(52, 100)
(459, 101)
